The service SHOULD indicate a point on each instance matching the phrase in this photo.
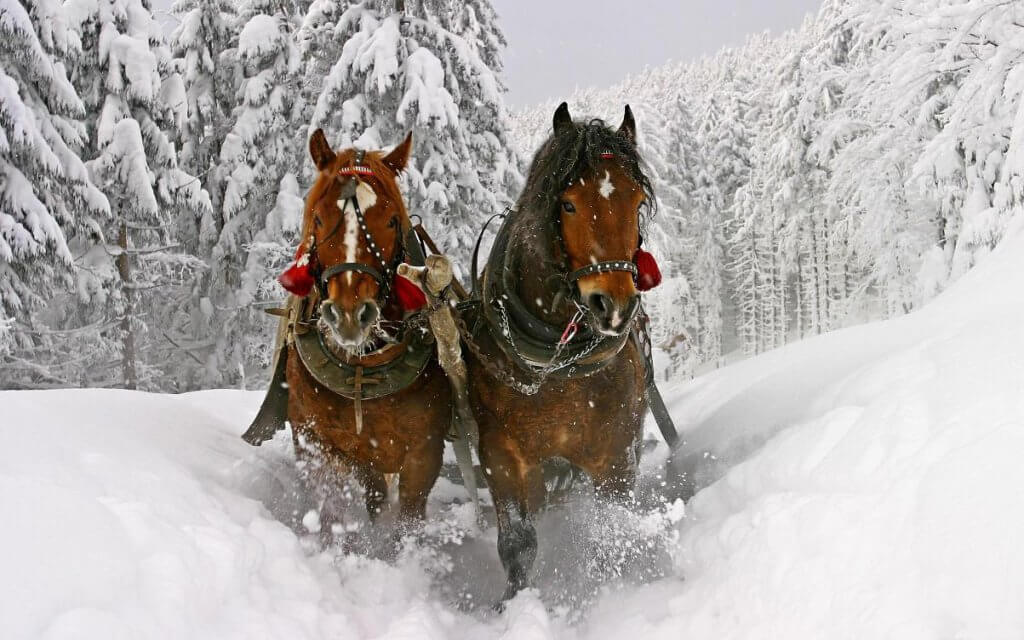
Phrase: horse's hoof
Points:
(511, 591)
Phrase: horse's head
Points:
(599, 213)
(354, 224)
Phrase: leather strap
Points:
(601, 267)
(474, 275)
(352, 266)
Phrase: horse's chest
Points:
(392, 426)
(592, 416)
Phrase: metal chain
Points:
(552, 365)
(500, 373)
(504, 374)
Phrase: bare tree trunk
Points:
(127, 333)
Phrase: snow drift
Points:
(863, 484)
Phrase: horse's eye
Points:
(568, 207)
(393, 223)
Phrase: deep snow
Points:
(863, 484)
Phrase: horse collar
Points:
(530, 341)
(358, 382)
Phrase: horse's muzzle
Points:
(609, 315)
(350, 328)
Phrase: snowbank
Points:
(868, 482)
(864, 484)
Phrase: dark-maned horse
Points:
(352, 342)
(554, 371)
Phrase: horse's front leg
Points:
(616, 481)
(509, 479)
(420, 469)
(325, 478)
(375, 490)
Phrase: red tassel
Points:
(648, 275)
(298, 278)
(410, 296)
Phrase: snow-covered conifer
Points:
(414, 70)
(260, 157)
(124, 77)
(45, 190)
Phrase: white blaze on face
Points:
(366, 199)
(606, 188)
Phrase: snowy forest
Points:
(152, 179)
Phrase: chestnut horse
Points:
(353, 340)
(553, 368)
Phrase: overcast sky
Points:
(557, 45)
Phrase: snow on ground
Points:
(863, 484)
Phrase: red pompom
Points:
(648, 275)
(410, 296)
(298, 278)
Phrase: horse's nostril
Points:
(600, 304)
(367, 314)
(329, 311)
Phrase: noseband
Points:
(601, 267)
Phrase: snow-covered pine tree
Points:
(45, 190)
(406, 67)
(747, 265)
(673, 305)
(204, 43)
(975, 45)
(134, 272)
(704, 237)
(260, 156)
(270, 251)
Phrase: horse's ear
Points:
(628, 127)
(320, 150)
(399, 156)
(562, 118)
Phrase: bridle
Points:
(573, 276)
(383, 279)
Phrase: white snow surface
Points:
(863, 484)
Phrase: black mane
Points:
(572, 152)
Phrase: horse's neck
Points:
(540, 290)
